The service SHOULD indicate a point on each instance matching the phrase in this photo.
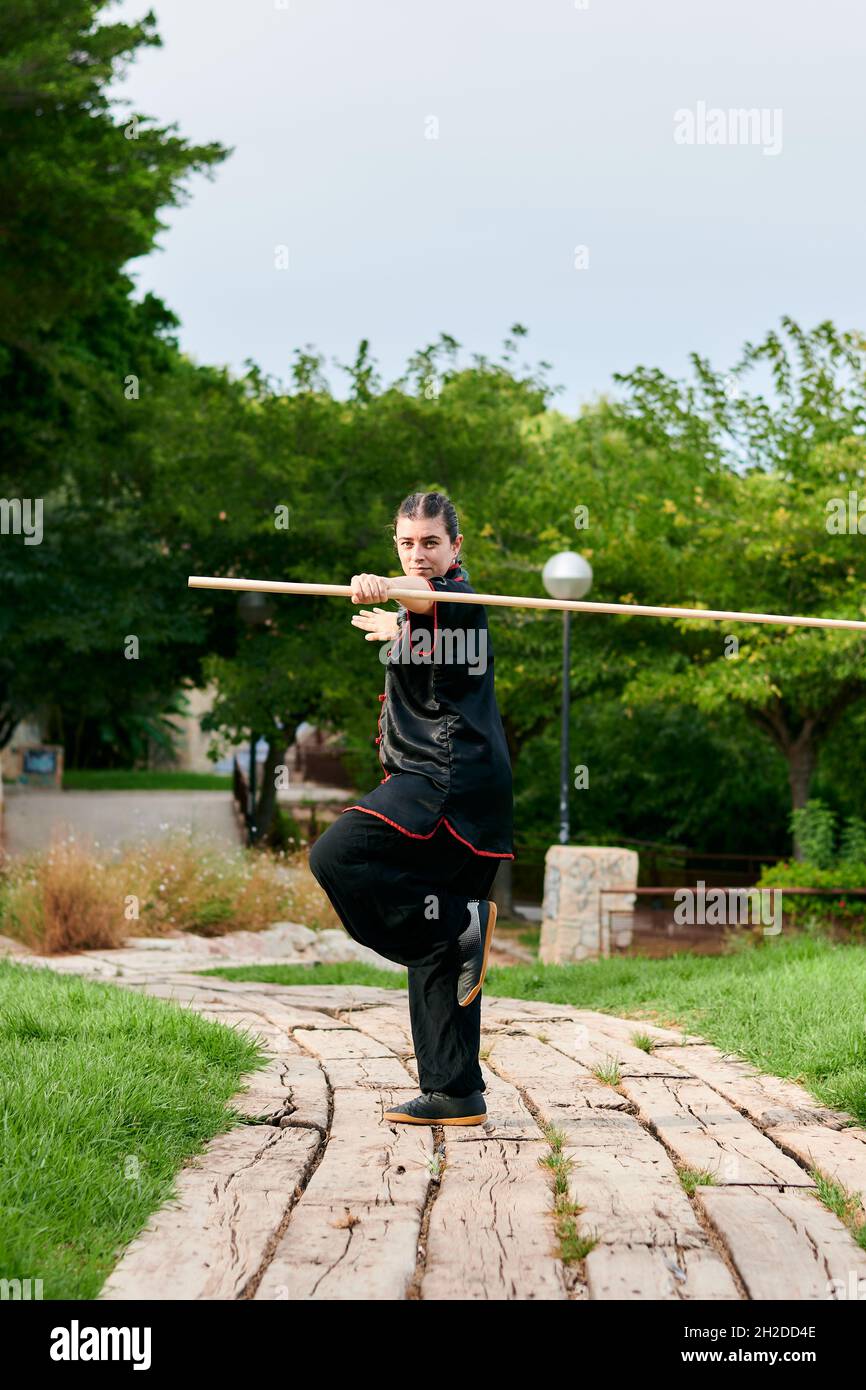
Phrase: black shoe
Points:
(435, 1108)
(473, 948)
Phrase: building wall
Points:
(192, 742)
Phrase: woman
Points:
(408, 867)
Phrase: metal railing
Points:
(665, 865)
(606, 911)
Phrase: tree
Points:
(81, 192)
(792, 454)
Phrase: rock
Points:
(292, 933)
(156, 943)
(334, 945)
(10, 947)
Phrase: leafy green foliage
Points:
(828, 862)
(814, 826)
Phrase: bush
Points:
(795, 873)
(824, 866)
(853, 847)
(68, 899)
(814, 827)
(285, 833)
(63, 900)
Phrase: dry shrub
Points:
(64, 899)
(69, 899)
(185, 884)
(309, 903)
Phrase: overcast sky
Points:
(556, 127)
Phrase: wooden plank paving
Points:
(314, 1195)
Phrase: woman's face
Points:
(424, 548)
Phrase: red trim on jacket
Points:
(488, 853)
(379, 739)
(435, 615)
(458, 580)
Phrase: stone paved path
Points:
(114, 818)
(318, 1197)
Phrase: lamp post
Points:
(566, 575)
(255, 610)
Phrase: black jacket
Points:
(441, 742)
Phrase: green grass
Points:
(795, 1006)
(317, 973)
(104, 1094)
(691, 1178)
(574, 1244)
(608, 1071)
(117, 780)
(848, 1206)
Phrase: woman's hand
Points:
(381, 625)
(370, 588)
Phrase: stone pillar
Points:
(577, 910)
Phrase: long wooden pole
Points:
(721, 615)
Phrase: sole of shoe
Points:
(417, 1120)
(488, 938)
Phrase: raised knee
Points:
(316, 859)
(336, 849)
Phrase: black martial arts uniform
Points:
(402, 863)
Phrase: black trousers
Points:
(406, 899)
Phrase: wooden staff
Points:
(720, 615)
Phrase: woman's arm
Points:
(376, 588)
(423, 603)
